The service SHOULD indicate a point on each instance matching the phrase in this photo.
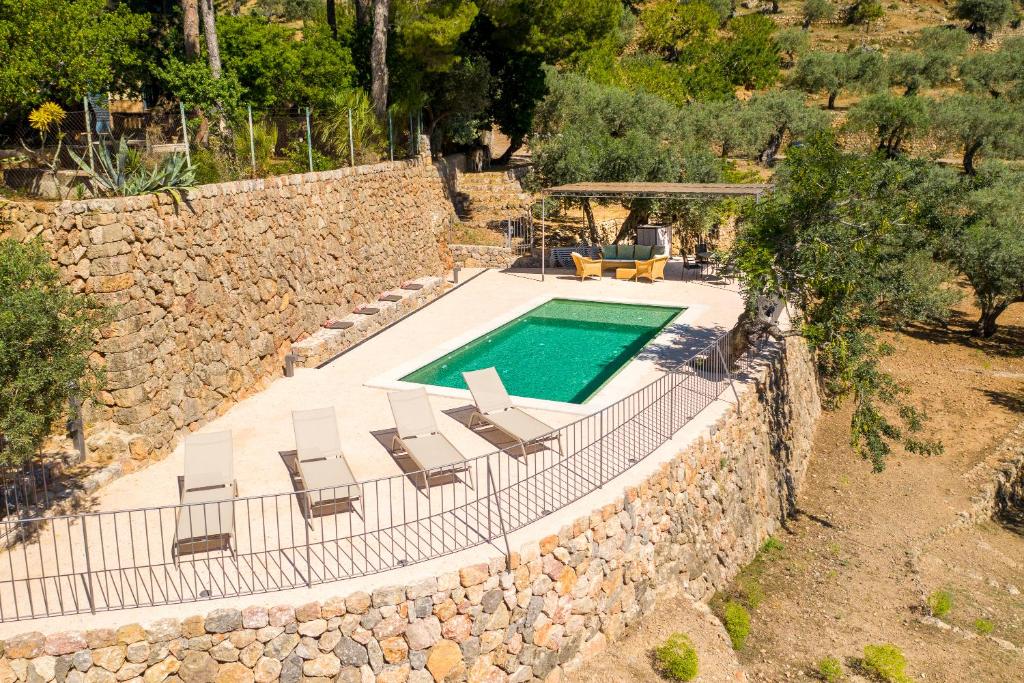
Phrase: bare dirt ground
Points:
(843, 578)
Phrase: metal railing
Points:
(519, 234)
(131, 558)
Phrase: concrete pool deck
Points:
(261, 425)
(262, 429)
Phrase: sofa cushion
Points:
(608, 251)
(625, 252)
(642, 252)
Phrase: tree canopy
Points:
(62, 50)
(843, 238)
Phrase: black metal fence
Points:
(130, 558)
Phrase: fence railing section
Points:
(132, 558)
(253, 144)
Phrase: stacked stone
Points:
(208, 295)
(533, 618)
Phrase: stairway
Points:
(488, 198)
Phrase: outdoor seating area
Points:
(650, 269)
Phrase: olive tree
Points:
(999, 73)
(978, 125)
(817, 10)
(892, 120)
(841, 237)
(984, 16)
(936, 51)
(859, 69)
(46, 334)
(986, 243)
(584, 131)
(772, 116)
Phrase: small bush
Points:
(940, 602)
(886, 663)
(752, 592)
(984, 627)
(830, 669)
(772, 545)
(676, 658)
(737, 624)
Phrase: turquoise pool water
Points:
(563, 350)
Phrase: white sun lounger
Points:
(494, 408)
(325, 477)
(206, 519)
(419, 438)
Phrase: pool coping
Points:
(603, 397)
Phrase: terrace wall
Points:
(210, 294)
(560, 599)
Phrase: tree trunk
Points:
(768, 154)
(364, 12)
(832, 95)
(591, 223)
(514, 145)
(775, 6)
(986, 325)
(378, 59)
(970, 151)
(210, 31)
(190, 27)
(332, 18)
(639, 213)
(807, 23)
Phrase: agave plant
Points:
(124, 174)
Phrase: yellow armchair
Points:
(586, 267)
(652, 269)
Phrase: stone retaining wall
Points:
(482, 256)
(557, 601)
(210, 295)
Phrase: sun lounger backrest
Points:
(487, 389)
(208, 460)
(413, 415)
(316, 434)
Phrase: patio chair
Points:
(652, 269)
(586, 267)
(494, 408)
(325, 478)
(205, 519)
(419, 439)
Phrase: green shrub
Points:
(772, 545)
(940, 602)
(984, 627)
(830, 669)
(753, 593)
(676, 658)
(886, 663)
(46, 335)
(737, 624)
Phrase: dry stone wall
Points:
(210, 294)
(557, 601)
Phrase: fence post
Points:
(351, 141)
(412, 135)
(184, 132)
(252, 140)
(600, 447)
(728, 373)
(309, 141)
(88, 562)
(492, 490)
(88, 132)
(309, 562)
(391, 137)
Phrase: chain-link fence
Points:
(56, 158)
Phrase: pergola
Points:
(643, 191)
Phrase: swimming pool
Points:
(563, 350)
